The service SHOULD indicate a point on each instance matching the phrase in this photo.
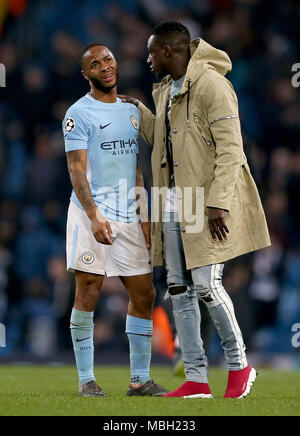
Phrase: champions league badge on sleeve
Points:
(135, 122)
(69, 125)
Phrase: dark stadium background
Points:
(39, 46)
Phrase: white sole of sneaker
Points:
(198, 396)
(251, 380)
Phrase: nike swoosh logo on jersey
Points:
(80, 340)
(103, 127)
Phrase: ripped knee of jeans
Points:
(204, 294)
(176, 291)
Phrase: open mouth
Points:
(108, 77)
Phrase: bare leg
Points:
(142, 295)
(87, 290)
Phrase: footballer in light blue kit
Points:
(109, 133)
(104, 235)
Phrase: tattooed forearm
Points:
(82, 189)
(77, 166)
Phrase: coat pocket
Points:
(204, 131)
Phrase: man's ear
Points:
(167, 51)
(84, 75)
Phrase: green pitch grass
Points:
(47, 390)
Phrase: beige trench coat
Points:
(208, 153)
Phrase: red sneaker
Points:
(240, 382)
(191, 389)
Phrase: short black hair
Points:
(167, 29)
(87, 48)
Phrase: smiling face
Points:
(99, 67)
(159, 57)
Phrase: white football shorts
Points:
(127, 256)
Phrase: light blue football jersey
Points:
(109, 133)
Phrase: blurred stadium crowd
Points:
(39, 47)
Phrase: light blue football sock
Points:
(139, 332)
(82, 332)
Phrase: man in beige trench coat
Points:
(197, 143)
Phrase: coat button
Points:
(176, 163)
(183, 229)
(209, 142)
(174, 130)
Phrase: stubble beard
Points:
(105, 89)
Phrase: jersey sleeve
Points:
(75, 130)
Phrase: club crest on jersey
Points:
(135, 122)
(87, 258)
(69, 125)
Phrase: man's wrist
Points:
(92, 213)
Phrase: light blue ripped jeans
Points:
(204, 283)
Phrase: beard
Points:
(98, 84)
(160, 74)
